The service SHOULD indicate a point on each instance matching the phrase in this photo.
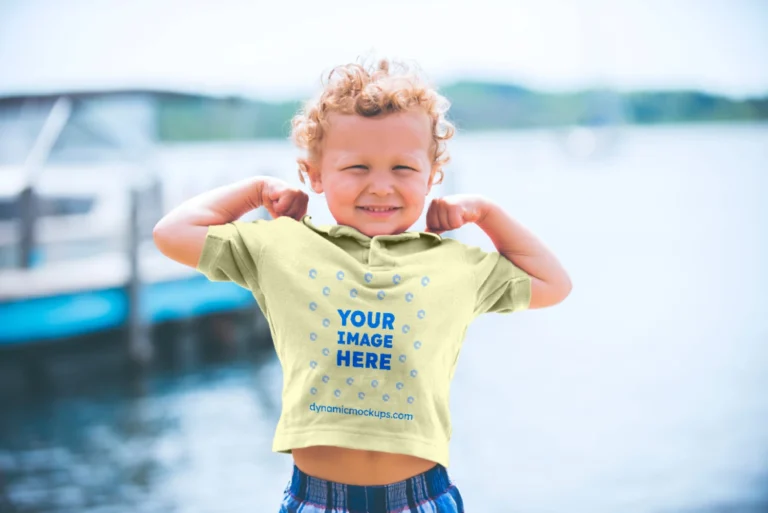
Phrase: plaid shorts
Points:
(431, 491)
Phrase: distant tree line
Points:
(475, 106)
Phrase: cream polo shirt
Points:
(367, 329)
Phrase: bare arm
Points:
(180, 234)
(550, 283)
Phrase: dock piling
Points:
(140, 349)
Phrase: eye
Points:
(360, 166)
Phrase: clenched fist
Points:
(454, 211)
(280, 199)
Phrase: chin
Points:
(372, 228)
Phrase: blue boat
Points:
(80, 190)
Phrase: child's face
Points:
(382, 161)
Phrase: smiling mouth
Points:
(379, 212)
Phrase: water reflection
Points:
(142, 452)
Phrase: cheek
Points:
(418, 188)
(341, 191)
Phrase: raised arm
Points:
(550, 283)
(180, 234)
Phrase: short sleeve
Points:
(232, 251)
(501, 286)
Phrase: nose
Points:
(380, 183)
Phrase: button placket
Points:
(366, 252)
(373, 252)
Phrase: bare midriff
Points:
(358, 467)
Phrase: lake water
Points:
(645, 391)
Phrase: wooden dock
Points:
(83, 289)
(71, 322)
(79, 297)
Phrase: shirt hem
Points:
(362, 441)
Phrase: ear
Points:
(313, 173)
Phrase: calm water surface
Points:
(645, 391)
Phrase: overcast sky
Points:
(278, 49)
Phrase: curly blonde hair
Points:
(353, 89)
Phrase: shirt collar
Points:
(340, 230)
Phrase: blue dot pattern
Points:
(406, 328)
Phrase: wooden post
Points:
(243, 326)
(28, 211)
(187, 345)
(33, 166)
(140, 348)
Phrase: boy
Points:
(367, 318)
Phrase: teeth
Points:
(378, 209)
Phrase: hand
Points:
(454, 211)
(280, 199)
